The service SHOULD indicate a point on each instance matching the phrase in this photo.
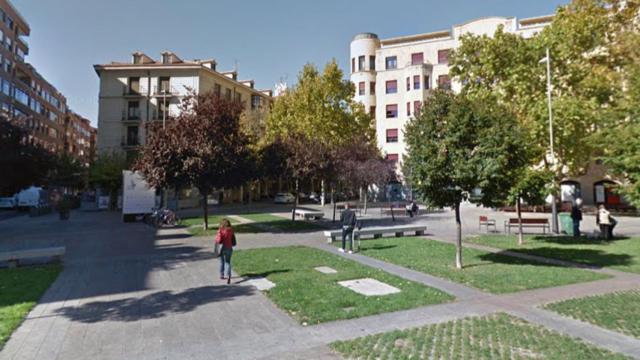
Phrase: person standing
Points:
(603, 220)
(227, 240)
(348, 221)
(576, 216)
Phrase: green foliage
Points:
(495, 273)
(312, 297)
(68, 172)
(532, 186)
(497, 336)
(106, 172)
(321, 107)
(456, 145)
(616, 311)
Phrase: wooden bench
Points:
(541, 223)
(308, 214)
(377, 231)
(485, 221)
(14, 257)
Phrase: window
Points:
(372, 110)
(417, 58)
(416, 107)
(8, 43)
(6, 87)
(408, 83)
(408, 109)
(392, 158)
(256, 102)
(21, 96)
(9, 21)
(20, 53)
(134, 85)
(391, 86)
(53, 116)
(444, 82)
(7, 65)
(164, 85)
(392, 111)
(238, 97)
(353, 65)
(391, 62)
(426, 82)
(227, 93)
(361, 85)
(361, 63)
(132, 135)
(217, 89)
(416, 82)
(163, 109)
(392, 135)
(372, 62)
(133, 110)
(372, 88)
(443, 56)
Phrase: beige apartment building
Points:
(144, 90)
(392, 78)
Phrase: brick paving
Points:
(129, 292)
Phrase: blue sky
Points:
(269, 39)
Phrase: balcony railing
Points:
(129, 91)
(130, 141)
(165, 91)
(131, 114)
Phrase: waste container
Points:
(566, 223)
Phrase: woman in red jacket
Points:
(227, 240)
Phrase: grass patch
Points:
(279, 223)
(497, 336)
(312, 297)
(20, 290)
(616, 311)
(486, 271)
(214, 221)
(238, 229)
(621, 254)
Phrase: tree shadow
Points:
(380, 247)
(570, 240)
(587, 257)
(264, 274)
(152, 306)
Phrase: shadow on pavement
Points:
(154, 305)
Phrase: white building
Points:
(392, 76)
(149, 90)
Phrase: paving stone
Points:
(369, 287)
(261, 284)
(326, 270)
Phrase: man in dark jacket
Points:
(348, 221)
(576, 216)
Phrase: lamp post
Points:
(554, 210)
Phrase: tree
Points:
(68, 172)
(456, 146)
(532, 186)
(203, 147)
(106, 173)
(25, 163)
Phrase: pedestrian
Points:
(348, 221)
(412, 208)
(227, 240)
(576, 216)
(604, 221)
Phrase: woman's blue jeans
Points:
(225, 261)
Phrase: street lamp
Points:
(554, 210)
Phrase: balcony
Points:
(130, 141)
(129, 91)
(162, 91)
(132, 114)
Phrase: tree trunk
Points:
(393, 217)
(366, 195)
(295, 203)
(322, 192)
(333, 201)
(205, 208)
(458, 237)
(519, 211)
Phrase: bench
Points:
(485, 221)
(308, 214)
(377, 231)
(541, 223)
(14, 257)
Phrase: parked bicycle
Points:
(161, 217)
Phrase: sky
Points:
(269, 40)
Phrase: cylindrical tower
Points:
(363, 68)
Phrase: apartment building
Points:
(144, 90)
(79, 138)
(25, 95)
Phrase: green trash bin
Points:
(566, 223)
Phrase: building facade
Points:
(145, 90)
(79, 138)
(25, 95)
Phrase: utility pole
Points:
(554, 209)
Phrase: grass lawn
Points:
(621, 254)
(20, 289)
(281, 224)
(214, 221)
(312, 297)
(486, 271)
(497, 336)
(617, 311)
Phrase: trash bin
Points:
(566, 223)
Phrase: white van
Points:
(32, 197)
(9, 202)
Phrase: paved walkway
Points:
(127, 292)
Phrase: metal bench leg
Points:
(377, 236)
(419, 232)
(399, 234)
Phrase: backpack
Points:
(233, 240)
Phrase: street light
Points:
(554, 210)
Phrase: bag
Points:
(216, 250)
(233, 240)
